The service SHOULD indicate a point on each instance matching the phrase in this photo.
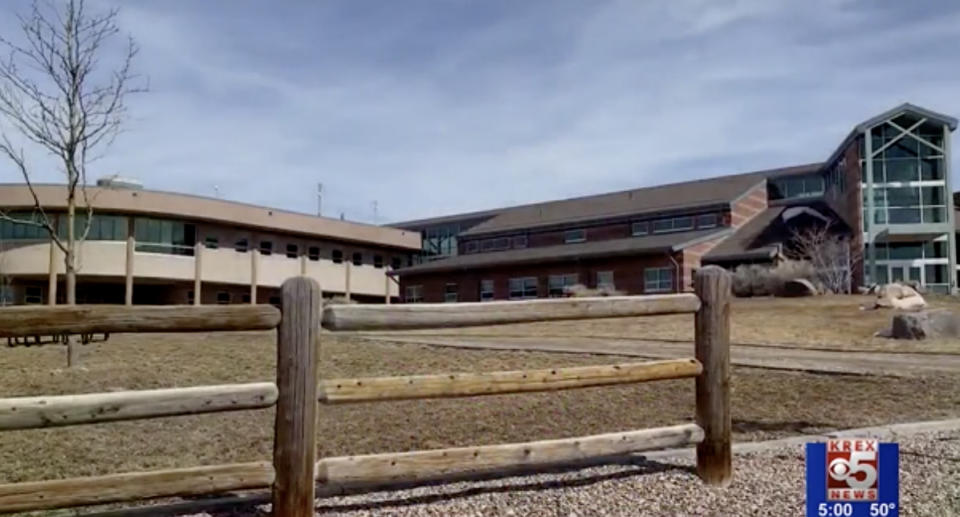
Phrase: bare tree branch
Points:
(831, 254)
(54, 94)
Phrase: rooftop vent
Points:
(118, 183)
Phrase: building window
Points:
(313, 253)
(245, 298)
(266, 247)
(190, 296)
(673, 224)
(10, 230)
(520, 241)
(657, 279)
(572, 236)
(6, 295)
(639, 228)
(558, 284)
(706, 221)
(211, 242)
(242, 245)
(523, 288)
(605, 280)
(336, 256)
(471, 247)
(413, 294)
(450, 293)
(164, 236)
(378, 261)
(498, 244)
(274, 300)
(396, 263)
(486, 290)
(292, 251)
(223, 298)
(795, 187)
(33, 295)
(357, 258)
(102, 227)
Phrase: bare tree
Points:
(830, 253)
(55, 94)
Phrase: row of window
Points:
(904, 170)
(637, 228)
(496, 244)
(656, 279)
(168, 236)
(911, 250)
(907, 205)
(313, 252)
(795, 187)
(675, 224)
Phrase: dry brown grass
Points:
(766, 403)
(828, 322)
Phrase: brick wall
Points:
(627, 274)
(849, 204)
(742, 210)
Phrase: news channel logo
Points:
(853, 477)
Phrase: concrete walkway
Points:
(779, 358)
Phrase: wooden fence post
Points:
(294, 446)
(714, 456)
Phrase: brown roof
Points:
(187, 206)
(741, 245)
(675, 196)
(629, 246)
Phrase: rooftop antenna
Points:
(341, 216)
(375, 211)
(319, 199)
(216, 191)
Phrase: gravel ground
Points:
(768, 483)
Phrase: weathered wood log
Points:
(40, 495)
(85, 319)
(346, 474)
(63, 410)
(445, 315)
(341, 391)
(712, 348)
(295, 446)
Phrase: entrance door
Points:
(903, 272)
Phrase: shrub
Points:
(762, 280)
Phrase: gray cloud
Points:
(438, 107)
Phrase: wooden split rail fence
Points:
(295, 475)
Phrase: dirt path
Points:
(780, 358)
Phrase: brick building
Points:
(650, 240)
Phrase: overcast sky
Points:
(445, 106)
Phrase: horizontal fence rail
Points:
(352, 473)
(64, 410)
(343, 391)
(115, 488)
(86, 319)
(445, 315)
(295, 475)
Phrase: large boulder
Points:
(898, 296)
(940, 323)
(798, 287)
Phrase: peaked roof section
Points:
(906, 107)
(661, 243)
(662, 198)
